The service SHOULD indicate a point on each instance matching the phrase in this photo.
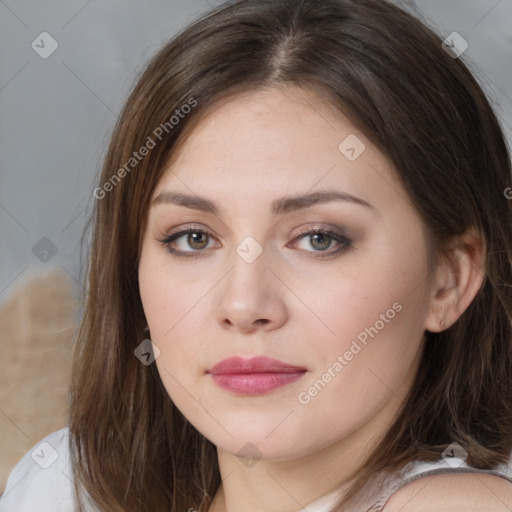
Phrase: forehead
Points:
(272, 142)
(271, 125)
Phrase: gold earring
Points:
(441, 324)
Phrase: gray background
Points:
(56, 113)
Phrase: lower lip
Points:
(255, 383)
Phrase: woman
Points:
(303, 207)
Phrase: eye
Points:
(192, 237)
(193, 240)
(323, 239)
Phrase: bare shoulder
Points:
(460, 492)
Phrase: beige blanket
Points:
(37, 326)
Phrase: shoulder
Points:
(42, 479)
(465, 492)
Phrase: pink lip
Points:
(254, 376)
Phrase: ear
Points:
(456, 281)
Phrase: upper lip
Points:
(253, 365)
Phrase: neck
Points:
(289, 485)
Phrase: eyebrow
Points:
(280, 206)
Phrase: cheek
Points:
(344, 308)
(359, 376)
(174, 310)
(371, 354)
(170, 302)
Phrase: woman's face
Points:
(346, 308)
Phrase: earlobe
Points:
(456, 283)
(441, 296)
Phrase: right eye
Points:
(192, 237)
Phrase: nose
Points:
(252, 297)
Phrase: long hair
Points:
(131, 448)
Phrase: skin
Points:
(472, 492)
(290, 303)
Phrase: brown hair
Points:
(379, 66)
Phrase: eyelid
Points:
(186, 227)
(343, 240)
(333, 232)
(322, 228)
(167, 237)
(303, 230)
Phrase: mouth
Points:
(254, 376)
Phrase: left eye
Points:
(198, 240)
(321, 240)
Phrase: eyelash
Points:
(168, 239)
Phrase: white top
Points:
(42, 480)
